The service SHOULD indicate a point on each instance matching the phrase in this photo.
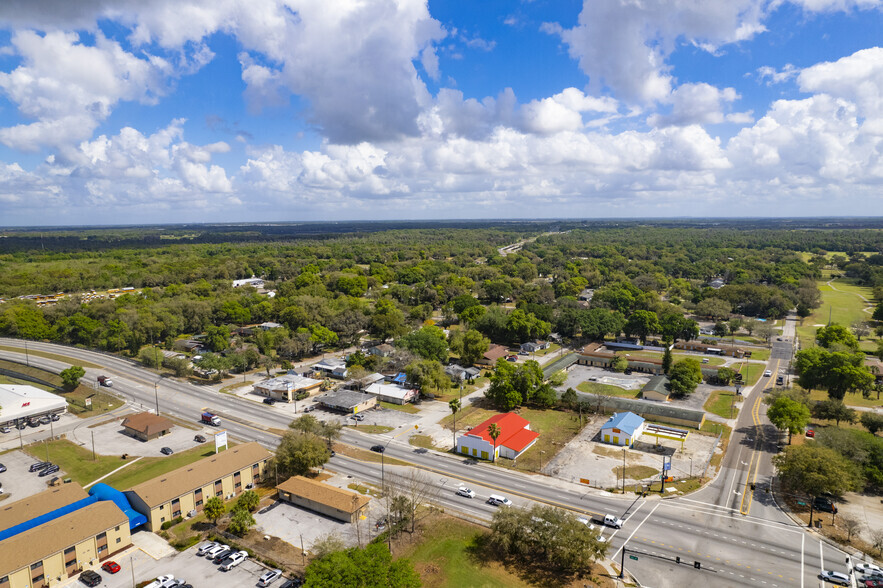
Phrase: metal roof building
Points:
(22, 402)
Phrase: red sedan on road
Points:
(111, 567)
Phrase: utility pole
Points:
(93, 445)
(303, 553)
(27, 356)
(623, 470)
(156, 396)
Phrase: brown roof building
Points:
(322, 498)
(146, 426)
(493, 353)
(226, 474)
(63, 546)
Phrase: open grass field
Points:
(843, 305)
(851, 399)
(720, 402)
(607, 390)
(750, 372)
(446, 557)
(75, 461)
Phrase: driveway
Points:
(111, 439)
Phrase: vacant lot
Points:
(841, 302)
(722, 403)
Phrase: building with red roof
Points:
(515, 438)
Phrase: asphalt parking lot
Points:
(111, 438)
(17, 481)
(198, 571)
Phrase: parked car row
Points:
(44, 468)
(22, 424)
(224, 556)
(169, 581)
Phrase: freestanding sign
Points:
(220, 440)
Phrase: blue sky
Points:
(120, 111)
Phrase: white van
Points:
(497, 500)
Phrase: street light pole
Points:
(156, 396)
(623, 470)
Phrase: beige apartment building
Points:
(53, 550)
(185, 490)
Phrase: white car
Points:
(161, 581)
(212, 552)
(767, 373)
(268, 578)
(234, 560)
(497, 500)
(868, 568)
(835, 577)
(205, 547)
(467, 492)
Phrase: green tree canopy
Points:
(675, 327)
(298, 453)
(834, 335)
(241, 521)
(428, 375)
(813, 469)
(684, 376)
(837, 371)
(71, 376)
(427, 342)
(642, 324)
(833, 410)
(788, 414)
(214, 508)
(370, 567)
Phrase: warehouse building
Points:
(54, 535)
(183, 492)
(333, 502)
(348, 401)
(287, 388)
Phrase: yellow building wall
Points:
(124, 535)
(87, 552)
(53, 567)
(21, 578)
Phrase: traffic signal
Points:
(697, 565)
(677, 559)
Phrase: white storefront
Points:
(22, 402)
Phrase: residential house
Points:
(382, 350)
(534, 346)
(493, 353)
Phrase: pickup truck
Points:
(609, 521)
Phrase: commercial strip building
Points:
(49, 537)
(185, 490)
(287, 388)
(147, 426)
(596, 354)
(23, 402)
(392, 393)
(334, 502)
(347, 401)
(515, 438)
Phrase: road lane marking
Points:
(821, 555)
(649, 514)
(802, 573)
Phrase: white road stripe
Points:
(649, 514)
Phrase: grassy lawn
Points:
(230, 388)
(761, 354)
(400, 407)
(53, 356)
(446, 557)
(607, 390)
(636, 472)
(849, 399)
(151, 467)
(76, 461)
(424, 441)
(843, 306)
(468, 416)
(370, 429)
(750, 372)
(364, 455)
(720, 402)
(101, 402)
(715, 429)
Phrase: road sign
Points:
(666, 466)
(584, 481)
(634, 557)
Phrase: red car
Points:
(810, 433)
(111, 567)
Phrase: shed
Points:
(146, 426)
(656, 389)
(622, 429)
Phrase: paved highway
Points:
(740, 538)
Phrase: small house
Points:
(656, 389)
(534, 346)
(146, 426)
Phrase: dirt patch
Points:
(637, 472)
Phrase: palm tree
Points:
(455, 407)
(494, 431)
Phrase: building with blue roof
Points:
(622, 429)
